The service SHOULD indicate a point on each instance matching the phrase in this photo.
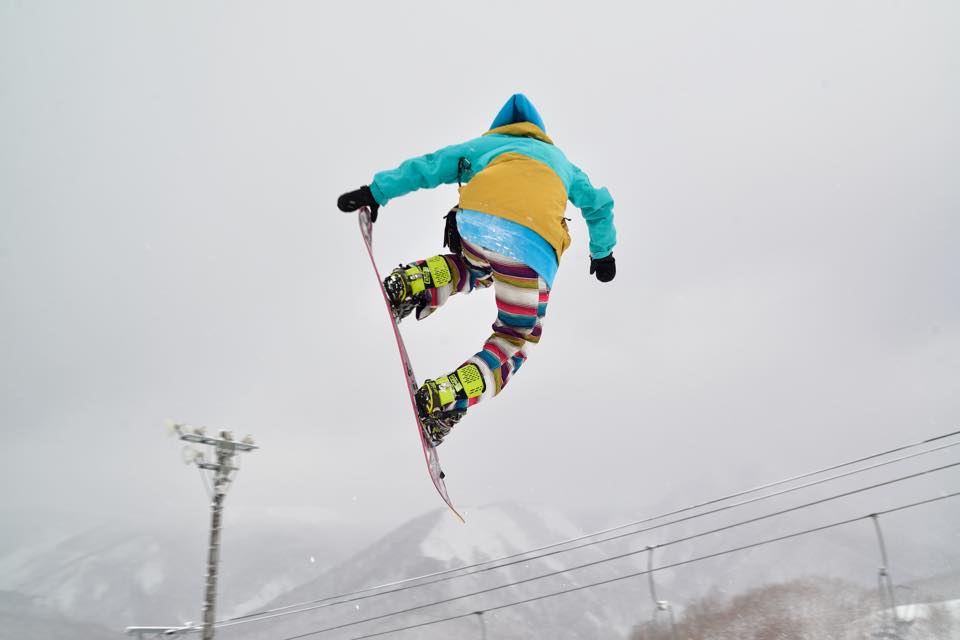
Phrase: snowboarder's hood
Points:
(519, 117)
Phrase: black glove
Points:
(362, 197)
(605, 268)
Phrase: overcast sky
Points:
(787, 198)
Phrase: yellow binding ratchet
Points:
(471, 379)
(439, 271)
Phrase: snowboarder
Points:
(507, 230)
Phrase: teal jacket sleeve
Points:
(425, 172)
(596, 205)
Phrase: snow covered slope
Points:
(436, 542)
(21, 618)
(153, 575)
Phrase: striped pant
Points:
(522, 297)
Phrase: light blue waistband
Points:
(509, 239)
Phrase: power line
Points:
(615, 557)
(634, 574)
(621, 556)
(619, 536)
(266, 614)
(513, 559)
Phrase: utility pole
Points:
(225, 449)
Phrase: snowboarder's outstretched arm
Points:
(424, 172)
(596, 205)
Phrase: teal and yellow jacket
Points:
(513, 171)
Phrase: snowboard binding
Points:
(438, 400)
(408, 286)
(437, 426)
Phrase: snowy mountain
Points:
(436, 542)
(23, 619)
(153, 575)
(119, 576)
(919, 546)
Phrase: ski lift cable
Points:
(602, 582)
(314, 607)
(430, 577)
(634, 574)
(445, 572)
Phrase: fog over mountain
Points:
(116, 577)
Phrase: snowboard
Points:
(429, 451)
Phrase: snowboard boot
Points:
(408, 286)
(437, 400)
